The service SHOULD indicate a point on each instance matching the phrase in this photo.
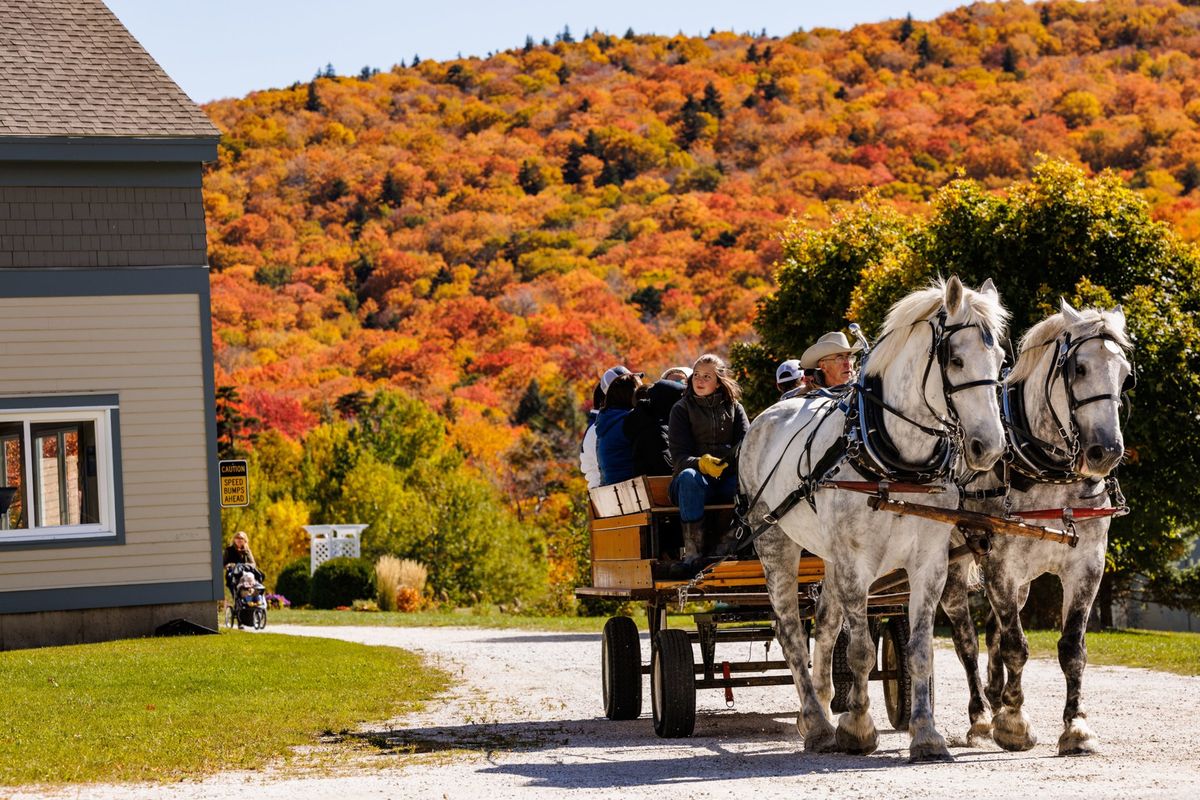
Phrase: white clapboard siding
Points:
(147, 351)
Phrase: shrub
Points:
(294, 582)
(341, 581)
(401, 583)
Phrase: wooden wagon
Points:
(634, 525)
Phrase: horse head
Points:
(948, 336)
(1078, 360)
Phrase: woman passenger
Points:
(614, 450)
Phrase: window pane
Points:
(64, 466)
(12, 479)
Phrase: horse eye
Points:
(956, 362)
(1080, 370)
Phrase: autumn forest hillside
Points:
(458, 230)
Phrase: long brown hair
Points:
(733, 392)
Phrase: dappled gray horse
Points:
(1062, 403)
(932, 381)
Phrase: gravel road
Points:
(526, 721)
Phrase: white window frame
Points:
(101, 418)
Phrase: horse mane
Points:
(903, 318)
(1036, 341)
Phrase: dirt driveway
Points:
(526, 721)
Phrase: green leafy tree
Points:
(1089, 239)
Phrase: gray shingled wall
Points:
(64, 226)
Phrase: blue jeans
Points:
(691, 490)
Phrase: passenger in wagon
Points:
(589, 462)
(832, 356)
(789, 377)
(680, 374)
(706, 426)
(614, 450)
(647, 427)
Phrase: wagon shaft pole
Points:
(973, 519)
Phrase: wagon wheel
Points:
(673, 685)
(621, 669)
(897, 691)
(841, 667)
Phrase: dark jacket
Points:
(647, 428)
(614, 451)
(235, 556)
(714, 425)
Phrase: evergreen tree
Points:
(571, 169)
(563, 73)
(313, 103)
(629, 34)
(752, 54)
(528, 43)
(565, 37)
(531, 178)
(691, 124)
(1009, 62)
(906, 29)
(711, 104)
(924, 51)
(533, 409)
(416, 62)
(391, 192)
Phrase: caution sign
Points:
(235, 484)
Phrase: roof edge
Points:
(108, 148)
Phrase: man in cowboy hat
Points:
(833, 358)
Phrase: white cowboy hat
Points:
(830, 344)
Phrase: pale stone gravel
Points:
(526, 721)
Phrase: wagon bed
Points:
(633, 526)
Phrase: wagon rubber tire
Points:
(673, 685)
(897, 692)
(621, 669)
(841, 666)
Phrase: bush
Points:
(294, 582)
(401, 583)
(341, 581)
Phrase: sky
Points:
(227, 48)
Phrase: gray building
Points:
(111, 525)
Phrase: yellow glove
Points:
(712, 466)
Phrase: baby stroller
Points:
(249, 609)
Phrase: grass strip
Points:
(169, 709)
(1167, 651)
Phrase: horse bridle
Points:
(1063, 367)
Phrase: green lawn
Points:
(1161, 650)
(166, 709)
(466, 617)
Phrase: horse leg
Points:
(927, 580)
(856, 732)
(827, 623)
(1010, 725)
(966, 644)
(995, 681)
(1077, 738)
(780, 558)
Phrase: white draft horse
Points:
(934, 374)
(1062, 407)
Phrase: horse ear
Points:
(1119, 314)
(954, 294)
(1069, 313)
(989, 288)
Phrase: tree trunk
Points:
(1104, 599)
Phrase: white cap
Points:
(788, 371)
(611, 375)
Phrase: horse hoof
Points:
(929, 754)
(981, 731)
(860, 742)
(1078, 740)
(820, 740)
(1010, 730)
